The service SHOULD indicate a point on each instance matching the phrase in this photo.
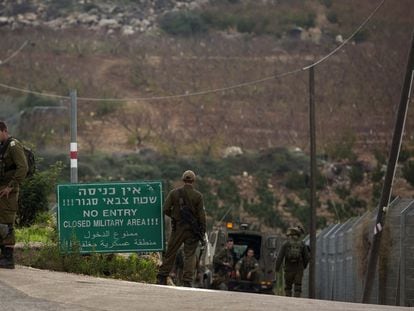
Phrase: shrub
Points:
(332, 17)
(377, 174)
(343, 148)
(342, 192)
(408, 172)
(229, 193)
(34, 194)
(296, 180)
(183, 23)
(404, 155)
(245, 25)
(327, 3)
(31, 101)
(361, 36)
(136, 268)
(140, 171)
(356, 174)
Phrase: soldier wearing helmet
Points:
(184, 205)
(294, 255)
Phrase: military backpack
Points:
(30, 157)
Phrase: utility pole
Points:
(312, 225)
(389, 177)
(73, 137)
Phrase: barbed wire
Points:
(205, 92)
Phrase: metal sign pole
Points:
(73, 138)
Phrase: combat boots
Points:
(161, 280)
(7, 261)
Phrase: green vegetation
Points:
(343, 148)
(356, 174)
(35, 233)
(40, 250)
(327, 3)
(35, 193)
(31, 101)
(361, 36)
(183, 23)
(408, 172)
(251, 18)
(220, 181)
(265, 208)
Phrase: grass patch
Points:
(35, 233)
(41, 251)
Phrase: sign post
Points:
(110, 217)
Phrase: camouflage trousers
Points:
(8, 211)
(221, 279)
(293, 279)
(177, 238)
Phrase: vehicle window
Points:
(272, 242)
(244, 241)
(240, 250)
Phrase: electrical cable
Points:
(347, 39)
(15, 53)
(206, 92)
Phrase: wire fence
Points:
(342, 257)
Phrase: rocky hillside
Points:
(128, 17)
(193, 80)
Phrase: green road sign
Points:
(111, 217)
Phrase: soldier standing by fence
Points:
(188, 221)
(295, 256)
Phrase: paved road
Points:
(27, 289)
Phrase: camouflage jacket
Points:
(172, 205)
(288, 265)
(247, 264)
(223, 257)
(13, 164)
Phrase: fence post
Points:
(389, 176)
(312, 229)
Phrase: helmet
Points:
(189, 176)
(293, 231)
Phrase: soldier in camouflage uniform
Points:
(223, 263)
(295, 256)
(13, 170)
(248, 268)
(182, 232)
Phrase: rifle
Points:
(187, 216)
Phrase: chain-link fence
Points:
(342, 253)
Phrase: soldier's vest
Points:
(294, 251)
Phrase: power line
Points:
(15, 53)
(211, 91)
(348, 39)
(13, 88)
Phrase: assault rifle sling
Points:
(187, 215)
